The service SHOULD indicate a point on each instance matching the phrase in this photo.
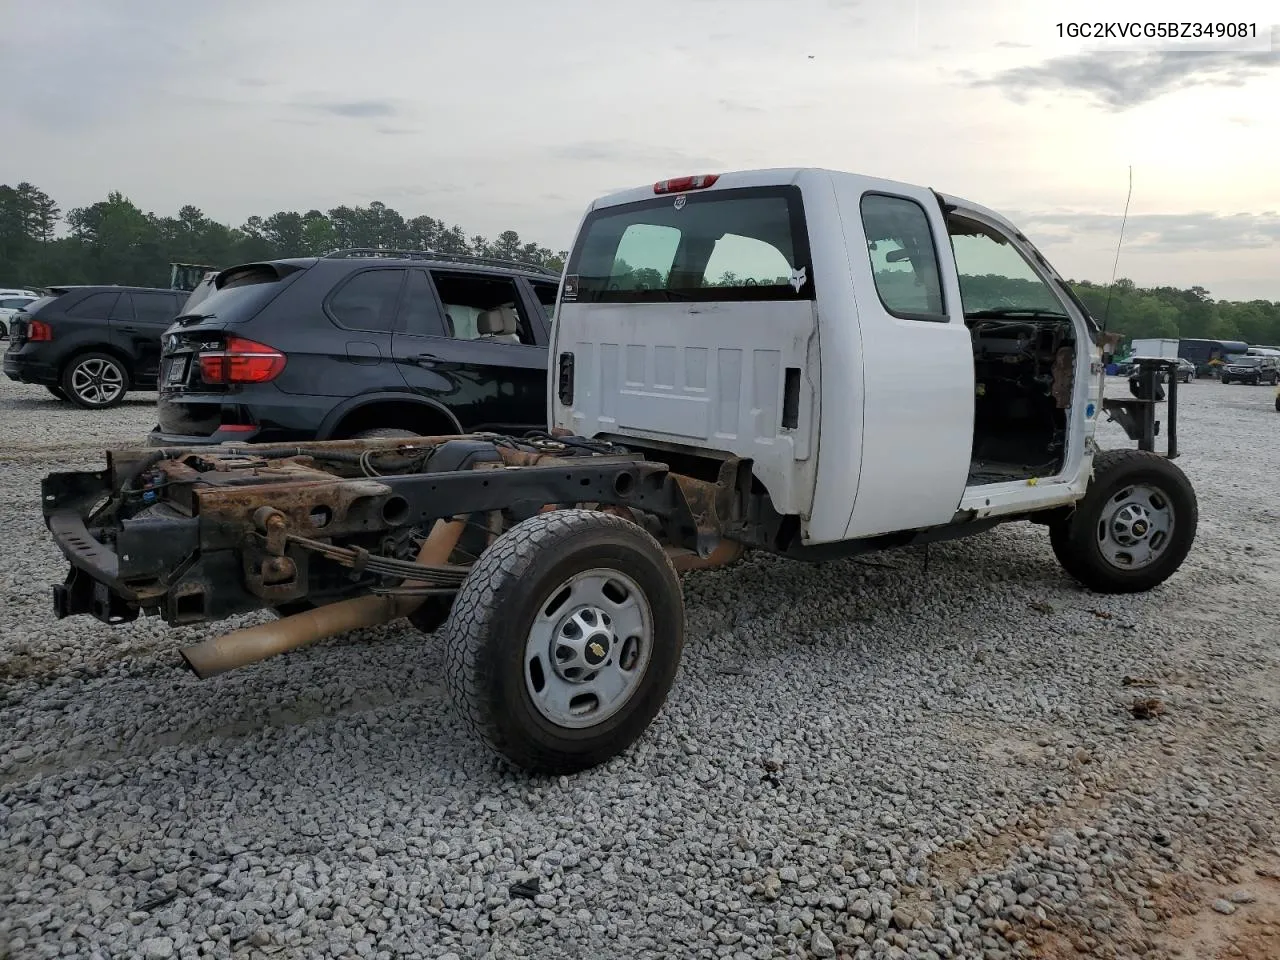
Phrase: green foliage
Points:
(1172, 312)
(113, 241)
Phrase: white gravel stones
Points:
(861, 759)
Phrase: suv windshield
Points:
(1247, 361)
(743, 244)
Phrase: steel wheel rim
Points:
(1136, 527)
(588, 648)
(97, 381)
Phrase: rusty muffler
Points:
(241, 647)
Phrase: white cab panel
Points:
(704, 375)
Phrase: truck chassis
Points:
(554, 559)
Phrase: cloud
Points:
(627, 151)
(1119, 81)
(1163, 232)
(356, 108)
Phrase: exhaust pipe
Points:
(242, 647)
(727, 552)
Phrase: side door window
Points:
(904, 258)
(368, 300)
(419, 309)
(995, 278)
(484, 308)
(545, 294)
(122, 312)
(96, 306)
(154, 309)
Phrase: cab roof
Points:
(775, 176)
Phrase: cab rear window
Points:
(744, 244)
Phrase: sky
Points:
(504, 114)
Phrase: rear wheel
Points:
(95, 381)
(565, 639)
(1134, 526)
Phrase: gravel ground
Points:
(874, 758)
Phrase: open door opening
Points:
(1024, 352)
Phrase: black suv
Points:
(93, 344)
(359, 343)
(1254, 370)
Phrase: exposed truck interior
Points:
(1024, 354)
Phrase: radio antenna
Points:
(1106, 311)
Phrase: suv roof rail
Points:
(352, 253)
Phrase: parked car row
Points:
(1186, 370)
(354, 344)
(1252, 370)
(1249, 369)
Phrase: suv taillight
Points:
(39, 332)
(241, 361)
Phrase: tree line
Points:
(114, 241)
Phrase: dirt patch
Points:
(1162, 909)
(1192, 928)
(1199, 932)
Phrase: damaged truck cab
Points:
(885, 357)
(808, 362)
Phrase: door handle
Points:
(128, 328)
(424, 359)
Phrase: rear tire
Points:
(95, 381)
(565, 639)
(1134, 526)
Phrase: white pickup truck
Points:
(807, 362)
